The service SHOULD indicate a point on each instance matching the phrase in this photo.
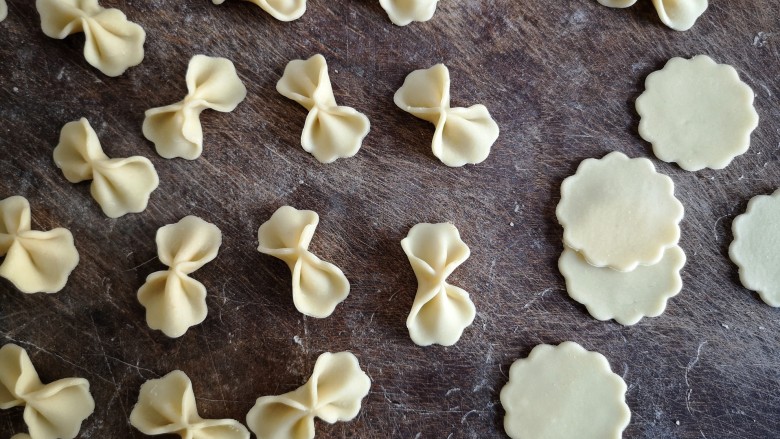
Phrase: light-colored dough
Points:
(403, 12)
(625, 297)
(282, 10)
(175, 129)
(35, 262)
(619, 212)
(679, 15)
(564, 392)
(317, 286)
(756, 247)
(697, 113)
(120, 186)
(333, 393)
(113, 44)
(3, 13)
(51, 411)
(21, 436)
(167, 406)
(174, 301)
(463, 135)
(440, 311)
(331, 131)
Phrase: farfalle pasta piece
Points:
(463, 135)
(679, 15)
(403, 12)
(282, 10)
(174, 301)
(167, 406)
(440, 311)
(331, 131)
(35, 261)
(113, 44)
(333, 393)
(120, 186)
(175, 129)
(317, 286)
(51, 411)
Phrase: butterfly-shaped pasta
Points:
(35, 262)
(679, 15)
(463, 135)
(173, 300)
(51, 411)
(113, 44)
(440, 311)
(167, 406)
(317, 286)
(282, 10)
(175, 129)
(120, 186)
(403, 12)
(333, 393)
(331, 131)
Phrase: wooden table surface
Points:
(560, 77)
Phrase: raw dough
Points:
(564, 392)
(463, 135)
(35, 262)
(317, 286)
(282, 10)
(175, 129)
(440, 311)
(697, 113)
(3, 13)
(755, 247)
(167, 406)
(120, 186)
(679, 15)
(21, 436)
(113, 44)
(403, 12)
(333, 393)
(173, 300)
(619, 212)
(330, 131)
(51, 411)
(625, 297)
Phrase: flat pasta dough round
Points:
(755, 250)
(564, 392)
(697, 113)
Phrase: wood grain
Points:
(560, 77)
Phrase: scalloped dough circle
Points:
(625, 297)
(697, 113)
(563, 392)
(754, 249)
(619, 212)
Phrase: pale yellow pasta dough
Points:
(333, 393)
(619, 212)
(440, 312)
(317, 286)
(282, 10)
(3, 10)
(35, 262)
(463, 135)
(625, 297)
(112, 43)
(679, 15)
(697, 113)
(51, 411)
(403, 12)
(564, 392)
(173, 300)
(756, 247)
(120, 186)
(331, 131)
(167, 406)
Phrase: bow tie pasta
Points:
(282, 10)
(112, 43)
(403, 12)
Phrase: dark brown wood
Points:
(560, 77)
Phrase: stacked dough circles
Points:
(621, 228)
